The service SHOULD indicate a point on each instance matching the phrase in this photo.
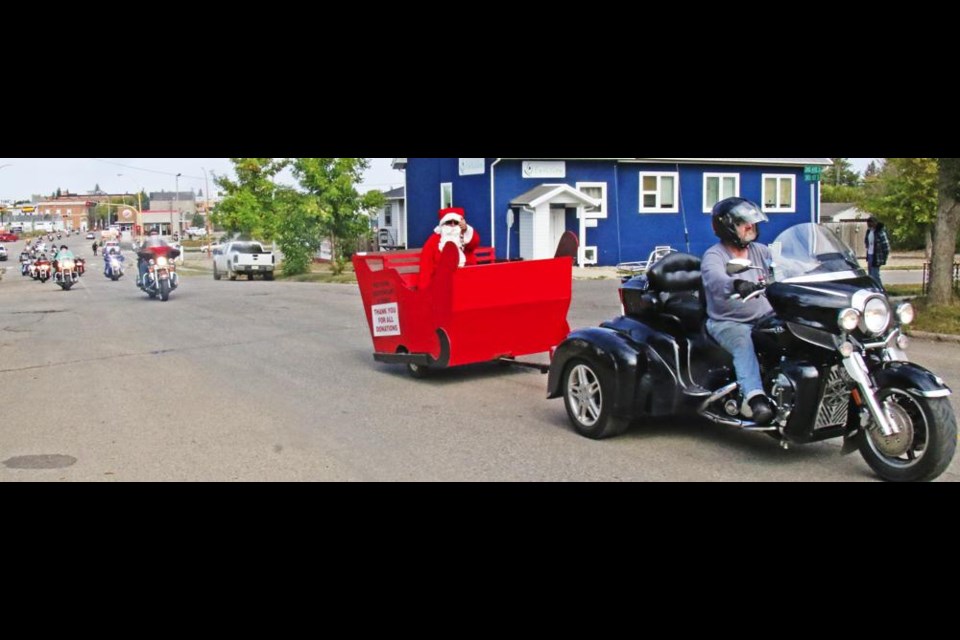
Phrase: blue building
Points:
(620, 208)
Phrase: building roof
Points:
(395, 194)
(833, 208)
(172, 195)
(826, 162)
(548, 192)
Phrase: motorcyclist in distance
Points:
(151, 249)
(109, 254)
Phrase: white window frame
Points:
(443, 187)
(793, 193)
(388, 215)
(708, 208)
(602, 212)
(676, 191)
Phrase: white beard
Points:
(452, 234)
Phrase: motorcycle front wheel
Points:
(925, 445)
(588, 398)
(164, 290)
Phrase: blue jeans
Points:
(736, 338)
(872, 270)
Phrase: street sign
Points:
(811, 173)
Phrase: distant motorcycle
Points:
(161, 278)
(41, 270)
(114, 267)
(65, 274)
(81, 266)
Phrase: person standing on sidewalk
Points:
(878, 247)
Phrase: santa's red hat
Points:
(452, 213)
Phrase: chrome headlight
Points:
(161, 261)
(876, 316)
(848, 319)
(68, 264)
(905, 313)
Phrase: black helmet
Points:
(729, 213)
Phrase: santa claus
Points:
(453, 228)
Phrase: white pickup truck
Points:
(242, 257)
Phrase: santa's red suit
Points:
(467, 241)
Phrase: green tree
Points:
(946, 228)
(904, 196)
(248, 206)
(197, 220)
(843, 193)
(299, 229)
(344, 214)
(840, 174)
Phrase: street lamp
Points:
(176, 207)
(206, 209)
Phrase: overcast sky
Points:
(27, 176)
(24, 177)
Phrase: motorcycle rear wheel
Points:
(933, 441)
(588, 399)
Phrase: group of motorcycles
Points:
(159, 278)
(65, 272)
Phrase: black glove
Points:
(745, 287)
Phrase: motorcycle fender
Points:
(622, 358)
(911, 378)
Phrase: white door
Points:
(558, 225)
(526, 234)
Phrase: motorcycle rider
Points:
(59, 254)
(153, 247)
(111, 253)
(731, 321)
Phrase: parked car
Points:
(243, 257)
(196, 232)
(3, 252)
(91, 236)
(8, 237)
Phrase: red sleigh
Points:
(488, 311)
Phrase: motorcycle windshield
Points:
(811, 253)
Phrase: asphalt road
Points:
(274, 381)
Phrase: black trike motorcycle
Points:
(831, 358)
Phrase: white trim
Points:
(793, 193)
(602, 213)
(444, 205)
(659, 175)
(555, 193)
(720, 176)
(789, 162)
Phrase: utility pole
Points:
(206, 209)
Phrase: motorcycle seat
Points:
(675, 272)
(677, 278)
(686, 307)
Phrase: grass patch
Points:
(320, 272)
(904, 289)
(939, 319)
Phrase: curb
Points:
(939, 337)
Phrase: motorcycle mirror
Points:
(738, 265)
